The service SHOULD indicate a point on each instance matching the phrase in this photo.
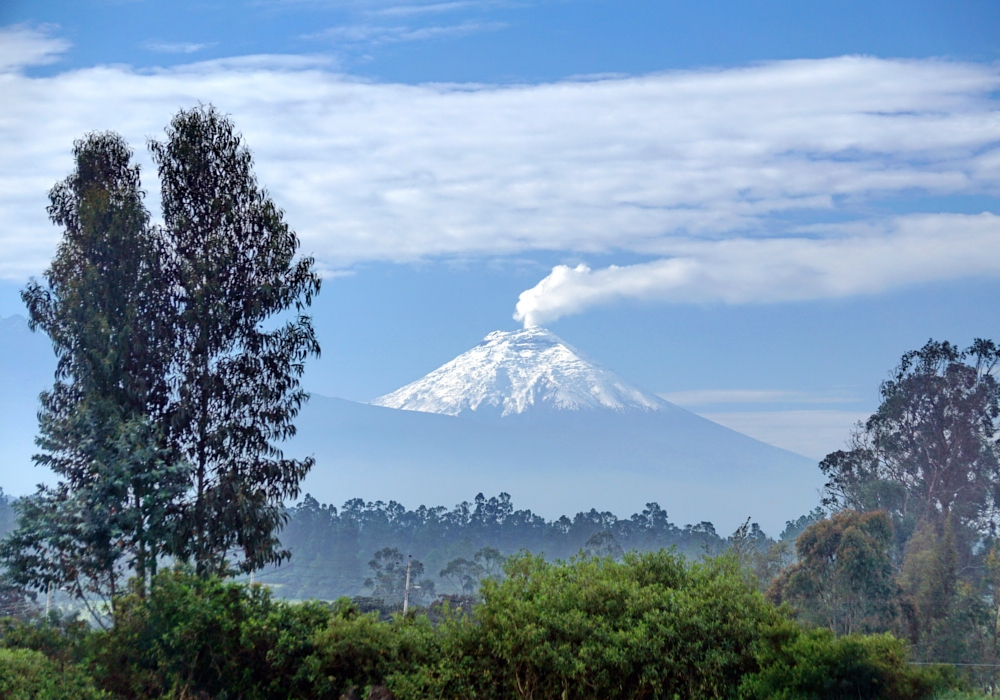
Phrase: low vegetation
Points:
(653, 625)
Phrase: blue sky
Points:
(753, 208)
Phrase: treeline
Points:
(332, 548)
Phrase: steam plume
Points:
(910, 250)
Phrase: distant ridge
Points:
(515, 372)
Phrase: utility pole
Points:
(48, 598)
(406, 590)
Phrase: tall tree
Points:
(930, 450)
(929, 458)
(107, 313)
(843, 578)
(463, 575)
(234, 268)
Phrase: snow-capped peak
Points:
(510, 373)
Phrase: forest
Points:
(165, 561)
(331, 548)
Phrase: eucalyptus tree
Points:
(236, 384)
(106, 309)
(929, 458)
(929, 454)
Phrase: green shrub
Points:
(815, 665)
(652, 626)
(30, 675)
(193, 636)
(64, 640)
(357, 650)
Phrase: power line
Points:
(950, 663)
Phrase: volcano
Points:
(527, 413)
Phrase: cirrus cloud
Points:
(22, 45)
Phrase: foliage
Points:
(758, 555)
(30, 675)
(463, 574)
(603, 544)
(843, 579)
(491, 561)
(794, 528)
(929, 458)
(16, 601)
(651, 626)
(170, 396)
(7, 515)
(108, 318)
(63, 641)
(388, 579)
(466, 576)
(194, 635)
(930, 451)
(358, 652)
(815, 665)
(236, 384)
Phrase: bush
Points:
(192, 636)
(30, 675)
(359, 651)
(63, 640)
(651, 626)
(815, 665)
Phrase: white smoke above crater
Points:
(907, 250)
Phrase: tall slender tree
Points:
(106, 309)
(929, 457)
(236, 383)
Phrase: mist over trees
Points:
(331, 546)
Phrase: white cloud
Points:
(175, 47)
(812, 434)
(433, 8)
(374, 34)
(705, 397)
(694, 165)
(22, 46)
(911, 249)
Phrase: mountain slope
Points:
(558, 431)
(561, 464)
(576, 436)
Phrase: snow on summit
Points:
(510, 373)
